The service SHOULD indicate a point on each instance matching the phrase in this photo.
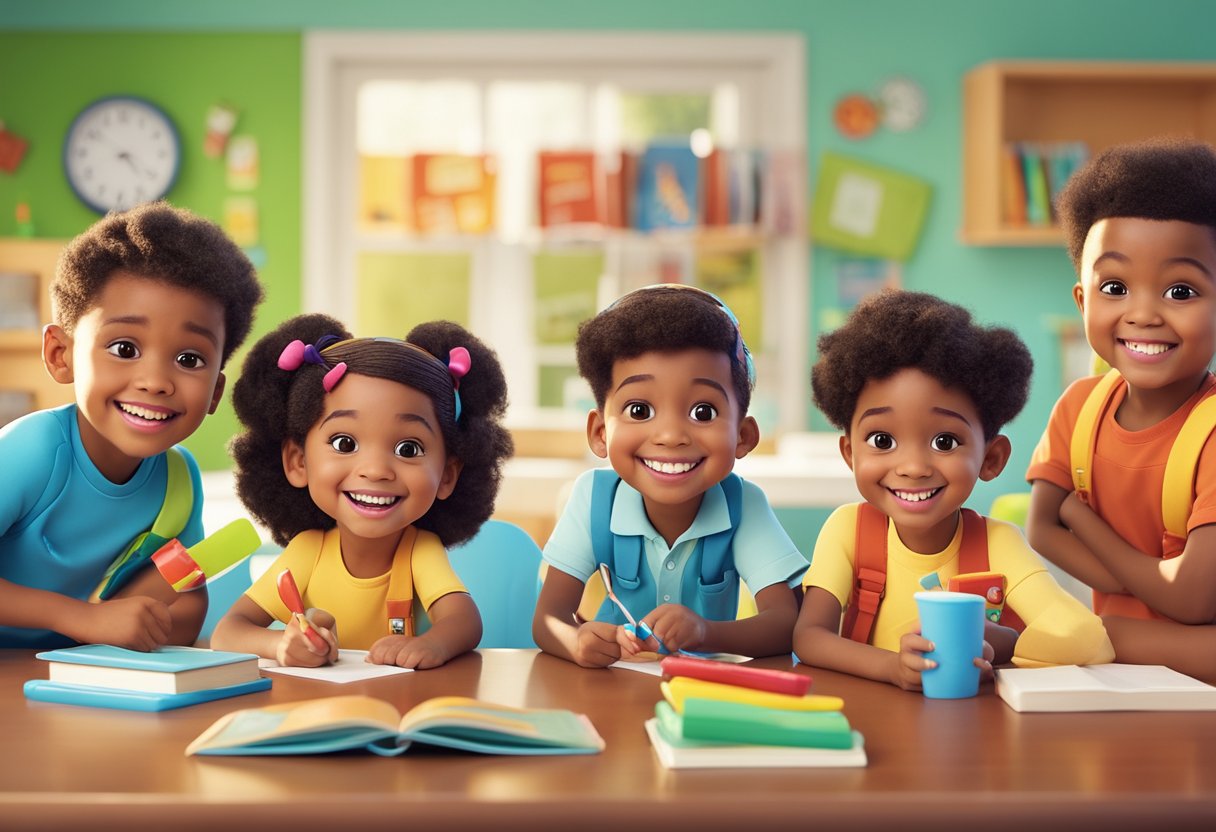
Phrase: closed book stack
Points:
(712, 723)
(104, 676)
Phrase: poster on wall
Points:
(868, 209)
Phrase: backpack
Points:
(1178, 485)
(624, 554)
(169, 523)
(870, 570)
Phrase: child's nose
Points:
(375, 467)
(670, 430)
(153, 379)
(913, 463)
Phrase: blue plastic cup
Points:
(954, 622)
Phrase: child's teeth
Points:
(1146, 349)
(144, 413)
(915, 496)
(669, 467)
(371, 500)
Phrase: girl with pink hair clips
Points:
(365, 458)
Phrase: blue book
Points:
(668, 192)
(63, 693)
(165, 670)
(343, 723)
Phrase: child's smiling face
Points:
(672, 429)
(145, 364)
(916, 449)
(1147, 292)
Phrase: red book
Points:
(568, 189)
(756, 678)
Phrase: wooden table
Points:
(971, 764)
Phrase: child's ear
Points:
(597, 435)
(215, 394)
(749, 437)
(57, 353)
(846, 450)
(1078, 296)
(995, 456)
(293, 463)
(451, 473)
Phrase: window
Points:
(424, 156)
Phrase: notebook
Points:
(1103, 687)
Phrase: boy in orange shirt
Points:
(1141, 228)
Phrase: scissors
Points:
(639, 628)
(290, 595)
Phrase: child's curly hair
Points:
(275, 405)
(661, 318)
(895, 329)
(1158, 179)
(160, 242)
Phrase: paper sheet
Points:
(351, 666)
(649, 663)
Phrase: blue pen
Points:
(638, 628)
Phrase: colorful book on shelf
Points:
(668, 190)
(452, 193)
(104, 676)
(1038, 196)
(1103, 687)
(708, 740)
(715, 190)
(343, 723)
(620, 190)
(568, 188)
(1013, 186)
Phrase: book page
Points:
(351, 666)
(364, 717)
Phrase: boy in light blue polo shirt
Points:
(672, 380)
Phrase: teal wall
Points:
(54, 56)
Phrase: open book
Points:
(1103, 687)
(342, 723)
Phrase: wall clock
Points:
(119, 152)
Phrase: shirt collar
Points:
(629, 515)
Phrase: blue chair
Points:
(499, 566)
(224, 589)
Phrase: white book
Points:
(1103, 687)
(700, 754)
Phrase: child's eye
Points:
(1180, 291)
(880, 440)
(409, 449)
(191, 361)
(945, 442)
(639, 411)
(123, 349)
(703, 412)
(1113, 287)
(343, 443)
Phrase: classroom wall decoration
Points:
(868, 209)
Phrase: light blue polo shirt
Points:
(62, 523)
(763, 553)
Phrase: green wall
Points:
(851, 47)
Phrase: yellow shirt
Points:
(357, 604)
(1059, 628)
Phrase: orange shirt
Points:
(1127, 475)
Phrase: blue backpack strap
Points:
(716, 552)
(622, 553)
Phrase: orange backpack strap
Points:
(1085, 433)
(869, 574)
(400, 603)
(973, 550)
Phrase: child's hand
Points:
(597, 644)
(630, 644)
(984, 663)
(296, 649)
(911, 661)
(1071, 509)
(417, 652)
(677, 627)
(137, 623)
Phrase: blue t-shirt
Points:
(62, 523)
(763, 553)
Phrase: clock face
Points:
(120, 152)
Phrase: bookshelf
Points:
(21, 347)
(1100, 103)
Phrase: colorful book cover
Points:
(569, 188)
(1013, 186)
(620, 189)
(668, 188)
(168, 659)
(452, 194)
(715, 199)
(1038, 199)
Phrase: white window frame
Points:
(773, 114)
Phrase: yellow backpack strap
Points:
(1085, 432)
(1178, 487)
(400, 603)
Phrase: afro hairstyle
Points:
(1159, 179)
(894, 330)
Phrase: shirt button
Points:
(666, 597)
(670, 565)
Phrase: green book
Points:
(733, 722)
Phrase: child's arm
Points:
(1053, 540)
(767, 633)
(1187, 648)
(137, 623)
(243, 629)
(1183, 588)
(557, 630)
(455, 629)
(186, 609)
(817, 642)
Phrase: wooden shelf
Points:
(21, 350)
(1100, 103)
